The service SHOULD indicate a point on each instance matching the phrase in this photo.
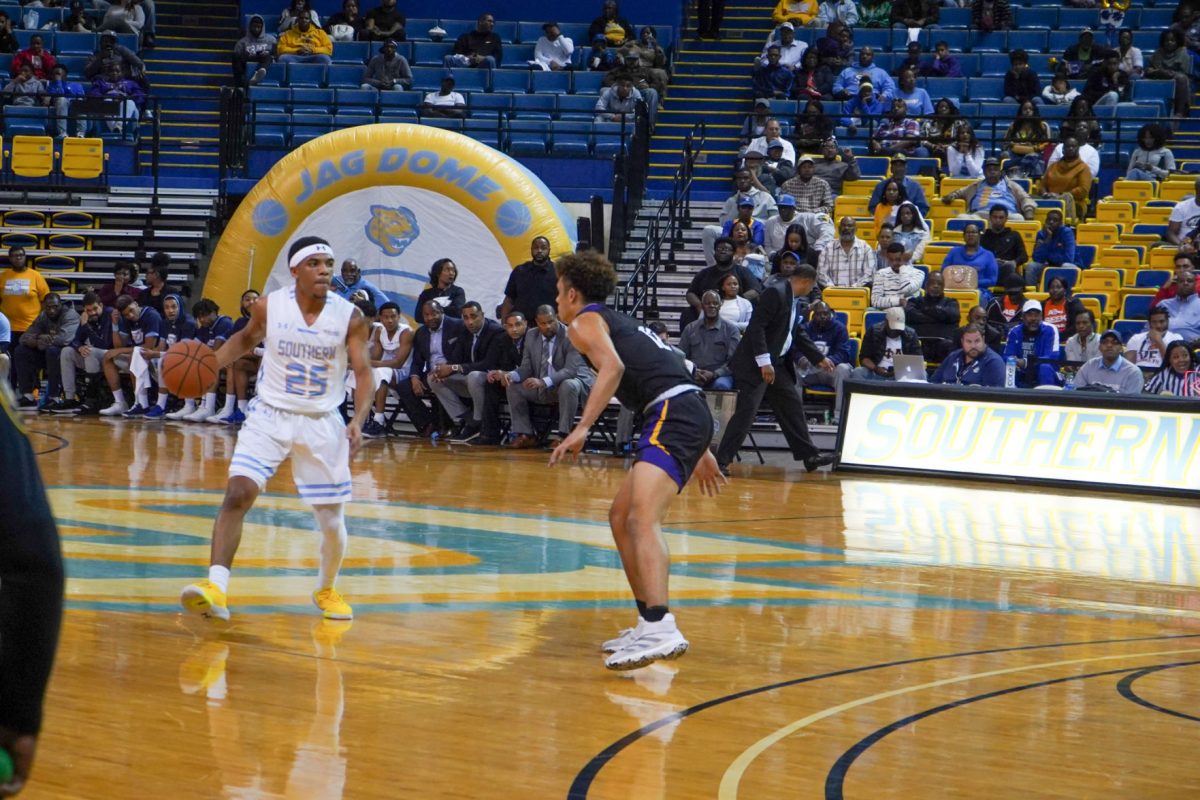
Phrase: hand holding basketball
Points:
(189, 369)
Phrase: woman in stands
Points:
(297, 9)
(812, 81)
(1025, 139)
(1060, 309)
(1080, 123)
(890, 201)
(1151, 160)
(442, 288)
(747, 253)
(1059, 92)
(940, 130)
(1171, 378)
(964, 158)
(912, 231)
(812, 127)
(795, 241)
(1172, 62)
(734, 308)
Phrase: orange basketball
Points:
(189, 369)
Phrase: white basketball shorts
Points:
(317, 444)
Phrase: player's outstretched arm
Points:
(247, 338)
(589, 334)
(364, 379)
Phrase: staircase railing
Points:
(664, 235)
(629, 178)
(231, 154)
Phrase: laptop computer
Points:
(910, 369)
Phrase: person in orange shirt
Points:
(1060, 308)
(21, 292)
(1069, 177)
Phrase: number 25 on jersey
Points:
(305, 380)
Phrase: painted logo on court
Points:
(392, 230)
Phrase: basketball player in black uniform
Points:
(644, 373)
(31, 595)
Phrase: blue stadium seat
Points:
(1077, 19)
(487, 131)
(1040, 63)
(528, 137)
(534, 106)
(25, 120)
(46, 16)
(351, 52)
(305, 75)
(1028, 19)
(783, 108)
(986, 89)
(1152, 278)
(529, 32)
(1156, 18)
(397, 100)
(417, 29)
(570, 138)
(271, 130)
(398, 115)
(456, 27)
(576, 106)
(995, 41)
(507, 31)
(1031, 41)
(510, 80)
(609, 140)
(588, 82)
(445, 123)
(1055, 112)
(431, 54)
(276, 75)
(312, 101)
(1136, 306)
(993, 64)
(1146, 41)
(70, 43)
(471, 80)
(954, 18)
(518, 55)
(578, 33)
(1061, 39)
(1147, 91)
(1127, 328)
(428, 79)
(946, 87)
(497, 103)
(550, 82)
(270, 99)
(957, 40)
(969, 64)
(345, 76)
(306, 127)
(73, 65)
(352, 119)
(877, 38)
(356, 100)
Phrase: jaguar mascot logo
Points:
(392, 230)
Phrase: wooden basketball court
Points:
(851, 637)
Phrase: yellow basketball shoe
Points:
(206, 599)
(332, 604)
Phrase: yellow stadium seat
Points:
(853, 300)
(1138, 191)
(1155, 215)
(25, 219)
(1093, 305)
(939, 212)
(67, 241)
(1101, 234)
(1146, 239)
(31, 156)
(1028, 230)
(1100, 281)
(966, 301)
(851, 205)
(83, 159)
(1162, 258)
(73, 219)
(954, 184)
(864, 186)
(928, 184)
(1176, 190)
(1118, 258)
(1116, 211)
(934, 255)
(1045, 206)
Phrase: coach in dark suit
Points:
(451, 382)
(552, 372)
(763, 351)
(504, 356)
(437, 342)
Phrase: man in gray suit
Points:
(552, 371)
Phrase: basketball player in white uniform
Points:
(308, 334)
(391, 359)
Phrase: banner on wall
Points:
(395, 198)
(1107, 441)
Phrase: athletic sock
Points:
(163, 397)
(189, 405)
(210, 402)
(219, 576)
(379, 418)
(143, 397)
(655, 613)
(230, 405)
(641, 607)
(334, 537)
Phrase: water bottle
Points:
(1069, 381)
(1010, 373)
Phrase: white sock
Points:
(189, 405)
(332, 522)
(210, 402)
(230, 405)
(162, 399)
(143, 397)
(219, 576)
(379, 418)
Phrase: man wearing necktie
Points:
(765, 348)
(453, 382)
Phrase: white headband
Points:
(319, 249)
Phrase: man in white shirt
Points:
(553, 50)
(790, 50)
(1089, 155)
(772, 132)
(764, 209)
(1146, 349)
(446, 102)
(1185, 218)
(897, 282)
(818, 228)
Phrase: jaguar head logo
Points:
(392, 230)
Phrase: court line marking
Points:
(733, 774)
(62, 441)
(587, 774)
(835, 780)
(1125, 687)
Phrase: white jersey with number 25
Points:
(304, 366)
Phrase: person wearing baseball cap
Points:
(1034, 345)
(1110, 370)
(973, 364)
(882, 340)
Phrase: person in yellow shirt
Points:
(304, 43)
(21, 292)
(797, 12)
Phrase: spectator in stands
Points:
(934, 317)
(881, 342)
(992, 190)
(22, 291)
(156, 284)
(304, 43)
(811, 81)
(811, 194)
(1035, 346)
(1054, 247)
(39, 60)
(615, 102)
(1171, 61)
(1146, 349)
(973, 364)
(93, 337)
(830, 11)
(386, 22)
(891, 199)
(712, 278)
(467, 378)
(735, 309)
(1107, 85)
(1060, 309)
(553, 51)
(764, 209)
(874, 13)
(848, 262)
(858, 111)
(836, 47)
(912, 190)
(1004, 243)
(1021, 83)
(1172, 378)
(346, 25)
(943, 64)
(833, 340)
(297, 10)
(833, 171)
(445, 102)
(797, 12)
(772, 80)
(773, 131)
(255, 47)
(122, 284)
(600, 58)
(389, 348)
(756, 122)
(1005, 311)
(709, 15)
(747, 252)
(791, 51)
(899, 133)
(991, 15)
(615, 28)
(1084, 344)
(387, 71)
(532, 284)
(883, 238)
(1068, 179)
(849, 79)
(25, 89)
(8, 40)
(778, 168)
(1131, 57)
(552, 372)
(39, 346)
(1151, 160)
(912, 231)
(916, 98)
(775, 229)
(1080, 57)
(964, 158)
(708, 343)
(941, 130)
(993, 333)
(650, 83)
(1184, 220)
(972, 254)
(1184, 307)
(442, 289)
(1025, 140)
(437, 342)
(1087, 153)
(912, 61)
(755, 163)
(123, 16)
(76, 21)
(132, 326)
(1109, 369)
(351, 283)
(1059, 92)
(112, 53)
(899, 281)
(915, 13)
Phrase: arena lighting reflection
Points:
(949, 525)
